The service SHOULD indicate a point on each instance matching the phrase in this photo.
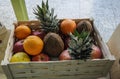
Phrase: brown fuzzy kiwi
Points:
(53, 44)
(84, 24)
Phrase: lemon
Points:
(20, 57)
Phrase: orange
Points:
(67, 26)
(33, 45)
(22, 31)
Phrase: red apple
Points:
(96, 52)
(65, 55)
(18, 46)
(41, 57)
(40, 34)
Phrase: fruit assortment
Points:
(60, 39)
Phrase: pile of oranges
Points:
(32, 44)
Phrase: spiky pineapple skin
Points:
(80, 46)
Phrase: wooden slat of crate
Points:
(4, 40)
(7, 56)
(59, 77)
(63, 68)
(8, 51)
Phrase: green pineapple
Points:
(47, 18)
(80, 45)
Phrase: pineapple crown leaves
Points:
(47, 18)
(80, 45)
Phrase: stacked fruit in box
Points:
(60, 39)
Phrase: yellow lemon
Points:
(20, 57)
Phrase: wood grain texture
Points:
(60, 70)
(4, 36)
(114, 45)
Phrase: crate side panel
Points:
(77, 76)
(8, 51)
(7, 71)
(104, 48)
(68, 68)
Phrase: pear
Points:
(20, 57)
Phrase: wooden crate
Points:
(4, 36)
(114, 46)
(69, 69)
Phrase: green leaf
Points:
(39, 10)
(43, 4)
(47, 5)
(76, 33)
(52, 13)
(20, 9)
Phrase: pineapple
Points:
(47, 18)
(80, 45)
(54, 44)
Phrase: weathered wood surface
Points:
(114, 46)
(4, 36)
(106, 13)
(60, 70)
